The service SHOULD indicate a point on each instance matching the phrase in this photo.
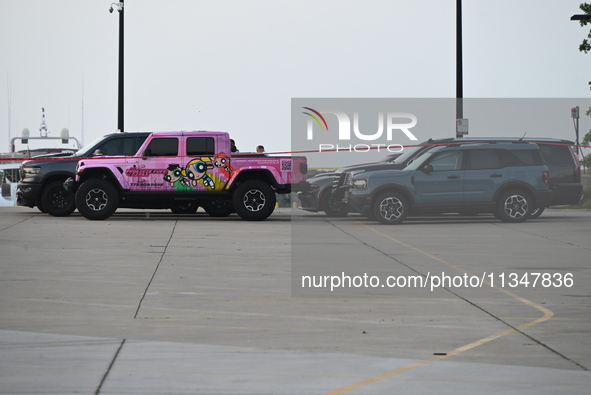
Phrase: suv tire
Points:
(97, 199)
(56, 200)
(536, 212)
(254, 200)
(390, 208)
(514, 206)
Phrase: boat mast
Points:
(43, 128)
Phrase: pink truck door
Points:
(151, 171)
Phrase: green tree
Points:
(586, 48)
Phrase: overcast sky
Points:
(235, 65)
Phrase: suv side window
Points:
(447, 161)
(166, 146)
(524, 157)
(556, 154)
(482, 159)
(200, 146)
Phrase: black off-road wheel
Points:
(217, 207)
(390, 208)
(328, 208)
(254, 200)
(39, 205)
(57, 200)
(97, 199)
(514, 206)
(184, 206)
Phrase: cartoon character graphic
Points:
(174, 176)
(223, 161)
(197, 170)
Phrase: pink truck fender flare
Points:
(121, 181)
(273, 175)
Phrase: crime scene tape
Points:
(246, 154)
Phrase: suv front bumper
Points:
(360, 202)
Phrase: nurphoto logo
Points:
(391, 124)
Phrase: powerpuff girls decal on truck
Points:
(198, 174)
(175, 176)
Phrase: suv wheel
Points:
(56, 200)
(536, 212)
(254, 200)
(514, 206)
(97, 199)
(330, 209)
(217, 207)
(391, 208)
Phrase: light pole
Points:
(575, 111)
(459, 69)
(119, 8)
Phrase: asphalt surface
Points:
(148, 302)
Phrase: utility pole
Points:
(119, 7)
(120, 110)
(459, 69)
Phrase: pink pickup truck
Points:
(183, 171)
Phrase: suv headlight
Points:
(360, 184)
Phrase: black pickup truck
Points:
(41, 180)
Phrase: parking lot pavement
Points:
(150, 302)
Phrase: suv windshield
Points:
(407, 153)
(414, 164)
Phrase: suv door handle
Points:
(453, 177)
(496, 175)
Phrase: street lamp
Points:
(575, 111)
(119, 8)
(459, 68)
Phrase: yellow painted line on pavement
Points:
(547, 315)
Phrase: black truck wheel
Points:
(254, 200)
(329, 209)
(97, 199)
(184, 206)
(56, 200)
(39, 205)
(217, 207)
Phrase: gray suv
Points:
(508, 179)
